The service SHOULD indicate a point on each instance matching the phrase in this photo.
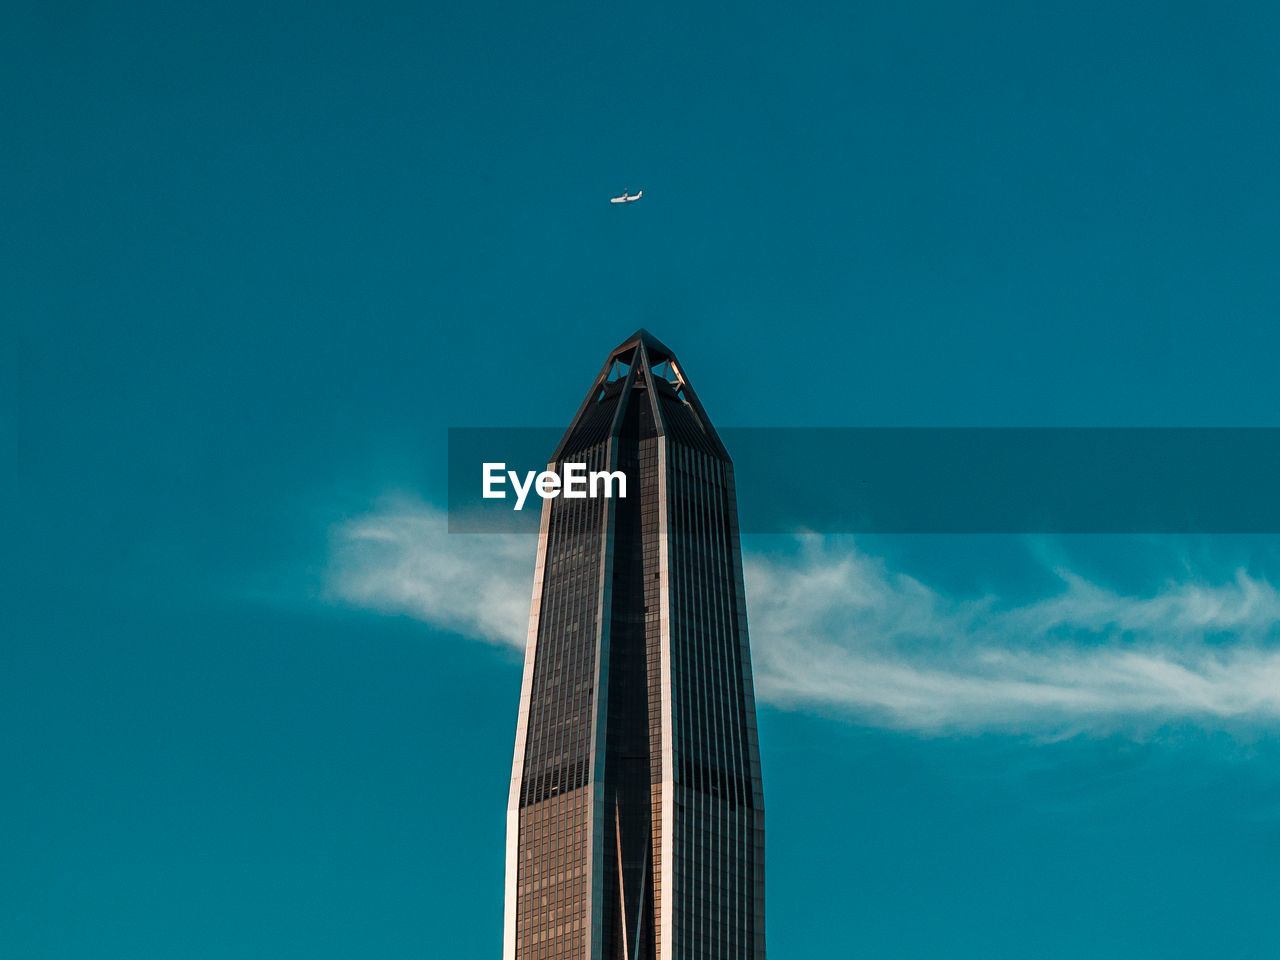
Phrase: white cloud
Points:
(834, 629)
(402, 559)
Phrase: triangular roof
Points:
(640, 362)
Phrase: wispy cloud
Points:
(834, 629)
(401, 559)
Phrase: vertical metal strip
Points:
(599, 721)
(522, 731)
(666, 944)
(749, 717)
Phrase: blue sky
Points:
(258, 259)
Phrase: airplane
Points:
(627, 199)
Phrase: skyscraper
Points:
(635, 825)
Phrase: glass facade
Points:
(636, 820)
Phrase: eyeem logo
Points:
(576, 485)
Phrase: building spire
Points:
(640, 369)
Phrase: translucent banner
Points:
(932, 480)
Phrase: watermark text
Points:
(575, 484)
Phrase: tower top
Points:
(641, 370)
(655, 348)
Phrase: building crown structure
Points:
(635, 824)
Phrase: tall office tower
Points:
(635, 827)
